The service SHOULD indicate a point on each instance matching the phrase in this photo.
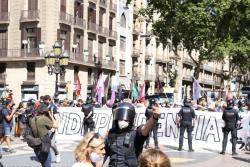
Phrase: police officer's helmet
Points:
(230, 103)
(89, 100)
(125, 111)
(187, 102)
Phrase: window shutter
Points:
(38, 35)
(4, 5)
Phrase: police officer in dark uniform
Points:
(87, 109)
(185, 121)
(125, 142)
(148, 115)
(230, 117)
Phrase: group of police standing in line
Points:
(124, 142)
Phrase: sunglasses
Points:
(95, 136)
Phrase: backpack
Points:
(41, 145)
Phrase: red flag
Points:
(78, 86)
(142, 92)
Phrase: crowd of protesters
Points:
(13, 122)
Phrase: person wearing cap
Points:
(54, 111)
(41, 126)
(87, 109)
(148, 114)
(185, 121)
(230, 116)
(124, 142)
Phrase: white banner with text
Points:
(207, 131)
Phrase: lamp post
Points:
(56, 62)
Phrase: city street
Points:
(24, 157)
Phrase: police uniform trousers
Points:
(229, 128)
(88, 125)
(154, 130)
(186, 125)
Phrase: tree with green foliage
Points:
(211, 27)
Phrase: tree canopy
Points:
(213, 28)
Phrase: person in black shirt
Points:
(185, 121)
(148, 114)
(87, 109)
(230, 117)
(125, 142)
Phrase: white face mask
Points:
(94, 157)
(123, 124)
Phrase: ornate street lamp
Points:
(56, 62)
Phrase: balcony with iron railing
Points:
(108, 64)
(187, 77)
(30, 15)
(2, 78)
(103, 31)
(113, 7)
(20, 54)
(66, 18)
(136, 52)
(103, 3)
(79, 23)
(112, 34)
(92, 27)
(207, 81)
(4, 17)
(81, 59)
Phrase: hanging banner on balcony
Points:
(207, 131)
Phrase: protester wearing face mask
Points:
(90, 151)
(124, 142)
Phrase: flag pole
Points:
(131, 84)
(107, 90)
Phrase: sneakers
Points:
(191, 150)
(58, 158)
(222, 153)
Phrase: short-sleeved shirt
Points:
(41, 123)
(6, 123)
(186, 114)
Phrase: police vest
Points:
(229, 116)
(121, 148)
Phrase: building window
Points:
(100, 49)
(32, 4)
(91, 15)
(63, 6)
(122, 67)
(3, 39)
(31, 66)
(123, 21)
(122, 43)
(90, 46)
